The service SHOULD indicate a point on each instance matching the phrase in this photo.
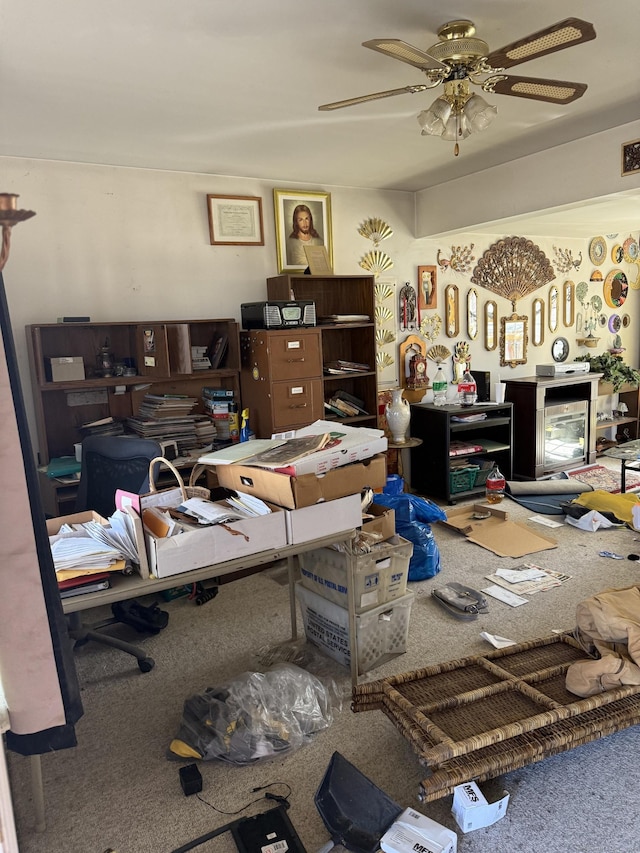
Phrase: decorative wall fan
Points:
(459, 59)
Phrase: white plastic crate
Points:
(379, 577)
(381, 633)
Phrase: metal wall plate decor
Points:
(617, 254)
(513, 267)
(616, 288)
(568, 303)
(513, 340)
(615, 323)
(565, 260)
(537, 322)
(461, 259)
(472, 314)
(597, 250)
(490, 325)
(554, 308)
(451, 311)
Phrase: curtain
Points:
(37, 669)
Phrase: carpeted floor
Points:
(604, 478)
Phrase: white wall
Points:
(133, 244)
(585, 169)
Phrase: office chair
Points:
(109, 463)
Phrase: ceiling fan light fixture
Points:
(433, 120)
(479, 113)
(456, 128)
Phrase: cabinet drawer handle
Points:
(292, 360)
(299, 406)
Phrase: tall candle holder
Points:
(10, 216)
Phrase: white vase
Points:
(398, 413)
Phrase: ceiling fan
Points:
(459, 60)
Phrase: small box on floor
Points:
(471, 809)
(413, 832)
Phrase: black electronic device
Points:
(278, 314)
(483, 385)
(271, 830)
(190, 779)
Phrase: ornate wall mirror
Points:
(451, 311)
(513, 340)
(537, 322)
(490, 325)
(553, 308)
(472, 314)
(568, 303)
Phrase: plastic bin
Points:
(381, 633)
(379, 577)
(462, 479)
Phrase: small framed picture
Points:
(302, 219)
(235, 220)
(427, 287)
(631, 157)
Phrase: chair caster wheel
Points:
(146, 664)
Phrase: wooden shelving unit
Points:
(62, 407)
(347, 341)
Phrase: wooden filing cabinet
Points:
(281, 378)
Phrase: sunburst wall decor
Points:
(513, 267)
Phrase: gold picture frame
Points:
(235, 220)
(451, 311)
(310, 211)
(490, 325)
(514, 338)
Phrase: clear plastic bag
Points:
(255, 716)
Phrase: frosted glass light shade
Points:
(479, 113)
(456, 128)
(433, 120)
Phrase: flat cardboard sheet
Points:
(496, 533)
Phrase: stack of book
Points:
(220, 407)
(200, 359)
(104, 426)
(345, 405)
(166, 417)
(340, 366)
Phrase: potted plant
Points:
(614, 370)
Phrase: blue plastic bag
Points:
(413, 522)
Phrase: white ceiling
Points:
(231, 87)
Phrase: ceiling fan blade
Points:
(539, 89)
(398, 49)
(349, 102)
(564, 34)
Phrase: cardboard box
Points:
(323, 519)
(413, 832)
(381, 633)
(496, 533)
(471, 809)
(215, 544)
(355, 444)
(378, 577)
(293, 492)
(64, 369)
(54, 524)
(383, 523)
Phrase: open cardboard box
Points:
(496, 533)
(306, 489)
